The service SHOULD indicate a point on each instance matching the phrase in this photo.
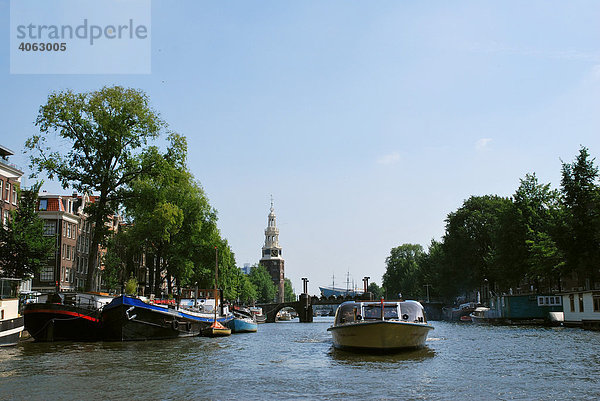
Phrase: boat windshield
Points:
(374, 311)
(412, 311)
(347, 312)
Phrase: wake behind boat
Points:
(128, 318)
(380, 326)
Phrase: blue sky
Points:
(368, 122)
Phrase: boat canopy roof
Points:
(406, 311)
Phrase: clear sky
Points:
(368, 122)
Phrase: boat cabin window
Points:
(347, 313)
(8, 288)
(374, 312)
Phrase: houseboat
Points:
(11, 322)
(582, 309)
(129, 318)
(66, 317)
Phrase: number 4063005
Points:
(41, 47)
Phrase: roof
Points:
(4, 151)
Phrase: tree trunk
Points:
(93, 254)
(151, 270)
(157, 271)
(169, 282)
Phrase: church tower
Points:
(271, 255)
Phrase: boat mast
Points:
(216, 279)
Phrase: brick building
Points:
(10, 179)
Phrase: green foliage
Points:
(401, 275)
(261, 279)
(376, 290)
(23, 247)
(581, 200)
(289, 294)
(104, 132)
(131, 286)
(245, 289)
(122, 251)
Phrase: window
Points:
(581, 303)
(1, 185)
(7, 192)
(14, 195)
(49, 228)
(64, 250)
(43, 204)
(47, 274)
(5, 218)
(68, 230)
(549, 301)
(596, 303)
(572, 302)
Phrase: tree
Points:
(540, 215)
(581, 199)
(104, 131)
(23, 247)
(289, 295)
(246, 292)
(261, 279)
(401, 275)
(376, 290)
(470, 244)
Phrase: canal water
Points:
(291, 360)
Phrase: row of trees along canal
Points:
(532, 239)
(109, 153)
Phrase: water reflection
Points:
(354, 357)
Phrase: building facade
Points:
(10, 179)
(66, 221)
(272, 258)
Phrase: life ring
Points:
(405, 317)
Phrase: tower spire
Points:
(271, 256)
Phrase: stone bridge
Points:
(304, 305)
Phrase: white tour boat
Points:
(380, 326)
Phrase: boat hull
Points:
(479, 319)
(57, 322)
(10, 331)
(380, 335)
(130, 319)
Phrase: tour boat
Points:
(66, 317)
(243, 321)
(129, 318)
(380, 326)
(284, 316)
(480, 315)
(11, 323)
